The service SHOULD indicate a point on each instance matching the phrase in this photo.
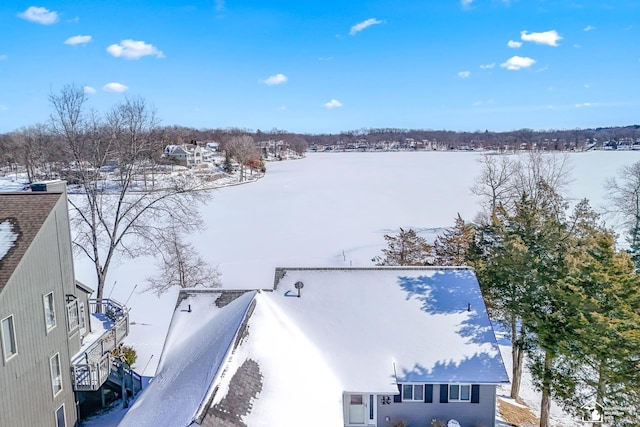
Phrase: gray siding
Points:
(420, 414)
(46, 266)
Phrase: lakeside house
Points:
(332, 347)
(55, 347)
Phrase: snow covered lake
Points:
(328, 209)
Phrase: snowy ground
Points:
(325, 210)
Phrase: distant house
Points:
(45, 321)
(329, 347)
(189, 155)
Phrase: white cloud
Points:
(89, 89)
(39, 15)
(589, 28)
(3, 57)
(584, 104)
(364, 24)
(134, 49)
(464, 74)
(115, 87)
(487, 102)
(276, 79)
(488, 66)
(334, 103)
(514, 44)
(550, 38)
(517, 62)
(3, 107)
(75, 40)
(466, 3)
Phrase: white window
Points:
(81, 317)
(72, 315)
(60, 418)
(56, 373)
(8, 335)
(459, 392)
(49, 312)
(413, 392)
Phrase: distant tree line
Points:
(37, 149)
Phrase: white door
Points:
(357, 408)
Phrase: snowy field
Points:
(325, 210)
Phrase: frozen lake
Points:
(325, 210)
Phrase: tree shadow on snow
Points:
(450, 292)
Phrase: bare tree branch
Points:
(119, 211)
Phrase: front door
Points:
(357, 408)
(361, 409)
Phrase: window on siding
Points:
(81, 315)
(60, 418)
(49, 312)
(460, 392)
(72, 315)
(356, 399)
(413, 392)
(56, 373)
(8, 334)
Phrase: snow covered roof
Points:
(409, 324)
(21, 217)
(202, 333)
(351, 330)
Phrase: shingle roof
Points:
(351, 330)
(23, 215)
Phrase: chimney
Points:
(52, 186)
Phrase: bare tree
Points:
(494, 184)
(505, 180)
(624, 207)
(536, 168)
(118, 211)
(298, 144)
(181, 265)
(243, 150)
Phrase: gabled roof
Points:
(350, 330)
(202, 333)
(21, 217)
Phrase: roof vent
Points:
(298, 285)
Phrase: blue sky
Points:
(311, 66)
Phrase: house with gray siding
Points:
(329, 346)
(45, 315)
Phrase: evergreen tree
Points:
(514, 258)
(407, 248)
(452, 247)
(634, 244)
(603, 352)
(228, 167)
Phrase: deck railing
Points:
(91, 376)
(92, 368)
